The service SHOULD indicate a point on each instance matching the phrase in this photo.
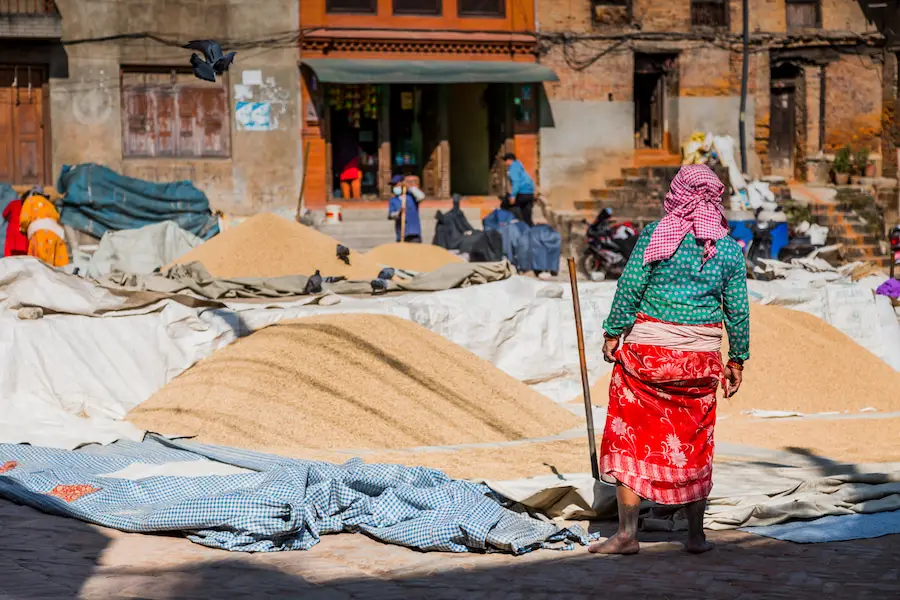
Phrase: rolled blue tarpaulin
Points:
(97, 199)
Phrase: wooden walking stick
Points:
(300, 206)
(585, 383)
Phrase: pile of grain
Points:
(348, 381)
(267, 245)
(413, 257)
(849, 440)
(798, 362)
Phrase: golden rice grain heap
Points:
(800, 363)
(422, 258)
(267, 245)
(348, 381)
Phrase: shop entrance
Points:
(354, 140)
(470, 156)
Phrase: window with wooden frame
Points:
(481, 8)
(418, 7)
(611, 12)
(709, 14)
(803, 14)
(173, 115)
(360, 7)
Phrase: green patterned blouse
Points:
(677, 290)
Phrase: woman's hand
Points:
(609, 349)
(732, 382)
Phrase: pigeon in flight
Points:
(213, 62)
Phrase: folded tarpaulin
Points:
(140, 251)
(97, 199)
(269, 503)
(193, 278)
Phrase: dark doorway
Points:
(783, 119)
(498, 98)
(651, 72)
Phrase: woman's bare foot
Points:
(699, 545)
(615, 545)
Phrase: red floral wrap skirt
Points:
(658, 438)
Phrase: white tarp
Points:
(139, 251)
(103, 366)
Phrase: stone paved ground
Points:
(44, 557)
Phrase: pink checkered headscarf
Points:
(693, 205)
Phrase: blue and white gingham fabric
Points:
(284, 504)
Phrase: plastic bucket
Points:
(333, 214)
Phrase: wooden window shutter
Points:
(139, 122)
(214, 122)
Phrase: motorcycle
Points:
(895, 250)
(609, 247)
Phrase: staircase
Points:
(365, 228)
(859, 236)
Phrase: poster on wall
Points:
(254, 116)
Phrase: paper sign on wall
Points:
(251, 77)
(254, 116)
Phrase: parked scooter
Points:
(609, 247)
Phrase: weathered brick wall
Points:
(890, 110)
(853, 112)
(709, 71)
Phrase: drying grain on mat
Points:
(267, 245)
(413, 257)
(348, 381)
(799, 362)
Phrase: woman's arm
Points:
(736, 306)
(630, 289)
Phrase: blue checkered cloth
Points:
(283, 504)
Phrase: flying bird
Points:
(213, 62)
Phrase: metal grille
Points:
(482, 8)
(417, 7)
(709, 13)
(352, 6)
(27, 7)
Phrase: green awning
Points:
(345, 70)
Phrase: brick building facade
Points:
(637, 77)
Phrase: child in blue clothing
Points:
(405, 200)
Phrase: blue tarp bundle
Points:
(283, 504)
(546, 248)
(535, 248)
(97, 199)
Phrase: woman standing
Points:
(39, 220)
(684, 280)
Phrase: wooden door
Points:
(22, 125)
(782, 129)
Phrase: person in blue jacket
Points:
(521, 192)
(409, 203)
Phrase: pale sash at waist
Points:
(45, 225)
(690, 338)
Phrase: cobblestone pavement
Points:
(50, 557)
